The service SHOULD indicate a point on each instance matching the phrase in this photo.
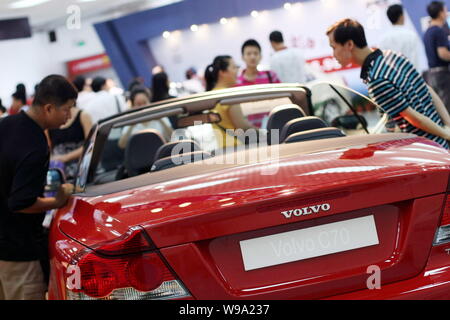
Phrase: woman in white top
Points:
(140, 98)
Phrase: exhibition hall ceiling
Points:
(53, 13)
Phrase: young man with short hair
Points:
(24, 161)
(393, 82)
(437, 48)
(288, 63)
(251, 54)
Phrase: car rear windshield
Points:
(161, 143)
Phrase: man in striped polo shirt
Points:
(393, 83)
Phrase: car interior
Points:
(295, 120)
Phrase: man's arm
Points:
(440, 107)
(420, 121)
(73, 155)
(394, 103)
(44, 204)
(41, 205)
(124, 138)
(443, 53)
(238, 119)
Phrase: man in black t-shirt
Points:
(437, 47)
(24, 159)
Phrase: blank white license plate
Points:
(309, 243)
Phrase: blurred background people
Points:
(399, 38)
(140, 97)
(160, 92)
(288, 63)
(103, 104)
(222, 74)
(67, 141)
(251, 54)
(85, 93)
(19, 100)
(113, 88)
(157, 69)
(437, 48)
(31, 98)
(136, 83)
(3, 110)
(193, 84)
(160, 87)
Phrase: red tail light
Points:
(443, 232)
(125, 264)
(148, 273)
(100, 276)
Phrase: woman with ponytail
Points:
(222, 74)
(19, 99)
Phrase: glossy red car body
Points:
(197, 222)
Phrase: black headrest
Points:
(179, 159)
(140, 151)
(176, 147)
(316, 134)
(280, 115)
(300, 125)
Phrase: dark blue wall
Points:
(125, 39)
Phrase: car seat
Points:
(179, 159)
(140, 151)
(279, 116)
(181, 146)
(315, 134)
(300, 125)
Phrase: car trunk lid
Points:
(389, 190)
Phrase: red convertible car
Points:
(321, 198)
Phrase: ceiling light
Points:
(254, 13)
(287, 6)
(224, 21)
(194, 28)
(166, 34)
(26, 3)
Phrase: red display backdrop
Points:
(88, 64)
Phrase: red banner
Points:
(80, 66)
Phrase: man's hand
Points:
(62, 158)
(50, 203)
(63, 194)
